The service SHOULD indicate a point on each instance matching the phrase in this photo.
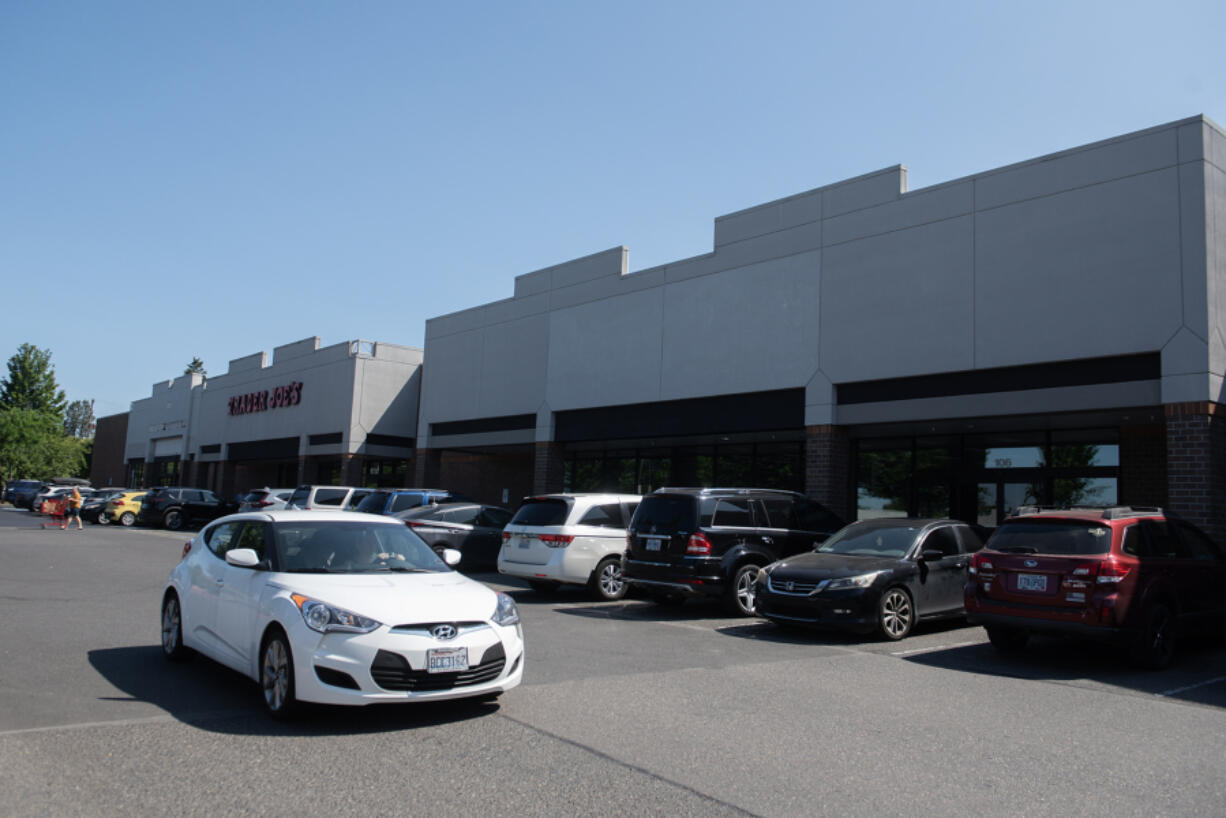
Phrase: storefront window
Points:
(882, 479)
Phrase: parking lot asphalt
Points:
(627, 708)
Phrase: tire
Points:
(895, 614)
(173, 520)
(172, 630)
(127, 519)
(1008, 640)
(1154, 648)
(544, 586)
(102, 519)
(606, 582)
(277, 676)
(739, 598)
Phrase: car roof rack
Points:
(1107, 512)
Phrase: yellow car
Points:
(124, 508)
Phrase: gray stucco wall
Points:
(1105, 249)
(354, 387)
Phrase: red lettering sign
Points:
(289, 395)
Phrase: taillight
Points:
(263, 503)
(698, 546)
(1112, 571)
(981, 564)
(556, 540)
(506, 535)
(187, 549)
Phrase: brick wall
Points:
(828, 469)
(487, 476)
(548, 469)
(1196, 464)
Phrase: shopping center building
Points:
(1051, 331)
(345, 413)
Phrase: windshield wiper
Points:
(405, 569)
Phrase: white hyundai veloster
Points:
(338, 608)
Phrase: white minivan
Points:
(575, 539)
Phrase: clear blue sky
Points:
(214, 179)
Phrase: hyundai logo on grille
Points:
(444, 632)
(789, 585)
(1030, 563)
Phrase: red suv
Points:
(1137, 577)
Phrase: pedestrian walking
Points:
(74, 509)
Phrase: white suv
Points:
(577, 539)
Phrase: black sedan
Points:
(872, 576)
(470, 528)
(92, 508)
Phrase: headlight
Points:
(861, 581)
(320, 616)
(506, 613)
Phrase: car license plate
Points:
(1032, 582)
(653, 544)
(446, 660)
(523, 542)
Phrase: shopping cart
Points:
(55, 508)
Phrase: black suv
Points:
(175, 507)
(685, 542)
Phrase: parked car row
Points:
(1134, 576)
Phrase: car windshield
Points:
(872, 541)
(1036, 536)
(352, 548)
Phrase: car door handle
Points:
(219, 580)
(768, 540)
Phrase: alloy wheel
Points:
(275, 675)
(896, 614)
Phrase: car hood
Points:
(396, 599)
(815, 567)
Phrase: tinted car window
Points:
(220, 539)
(542, 512)
(372, 503)
(330, 497)
(1197, 545)
(252, 536)
(780, 512)
(1134, 543)
(731, 511)
(464, 515)
(663, 513)
(606, 516)
(493, 518)
(811, 516)
(298, 498)
(404, 502)
(1162, 542)
(943, 540)
(1067, 537)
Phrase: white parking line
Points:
(933, 649)
(1193, 687)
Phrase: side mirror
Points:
(452, 557)
(243, 558)
(932, 555)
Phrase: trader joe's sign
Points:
(290, 395)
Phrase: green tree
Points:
(31, 383)
(33, 445)
(197, 367)
(79, 419)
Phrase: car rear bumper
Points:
(691, 578)
(1081, 630)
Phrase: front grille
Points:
(391, 671)
(790, 587)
